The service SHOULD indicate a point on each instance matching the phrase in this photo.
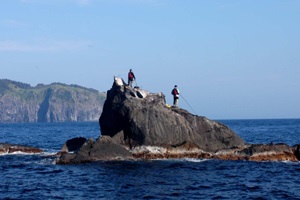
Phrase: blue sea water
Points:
(38, 177)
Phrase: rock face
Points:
(142, 118)
(104, 149)
(57, 102)
(13, 148)
(73, 145)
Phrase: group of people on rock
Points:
(175, 91)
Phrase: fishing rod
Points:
(188, 104)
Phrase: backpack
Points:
(130, 75)
(174, 92)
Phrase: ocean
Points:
(27, 176)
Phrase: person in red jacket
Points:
(131, 77)
(175, 93)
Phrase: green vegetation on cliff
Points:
(57, 102)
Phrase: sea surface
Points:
(25, 176)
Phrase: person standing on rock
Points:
(131, 77)
(175, 93)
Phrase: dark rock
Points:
(73, 144)
(104, 149)
(13, 148)
(297, 151)
(144, 119)
(259, 152)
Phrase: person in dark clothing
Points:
(175, 93)
(131, 77)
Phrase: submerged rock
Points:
(13, 148)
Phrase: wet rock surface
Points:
(14, 148)
(104, 149)
(260, 152)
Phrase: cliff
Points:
(57, 102)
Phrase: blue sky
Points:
(231, 59)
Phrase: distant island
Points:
(57, 102)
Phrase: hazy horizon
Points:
(230, 59)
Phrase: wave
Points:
(195, 160)
(18, 153)
(44, 153)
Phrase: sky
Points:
(231, 59)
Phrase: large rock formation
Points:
(136, 124)
(57, 102)
(143, 118)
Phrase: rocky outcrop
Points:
(13, 148)
(104, 149)
(255, 152)
(56, 102)
(136, 124)
(142, 118)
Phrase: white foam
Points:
(162, 150)
(47, 161)
(151, 149)
(291, 162)
(49, 153)
(195, 160)
(4, 154)
(23, 153)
